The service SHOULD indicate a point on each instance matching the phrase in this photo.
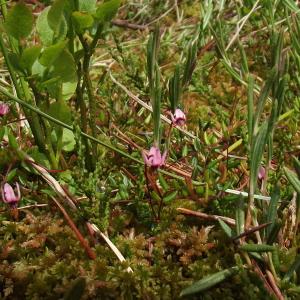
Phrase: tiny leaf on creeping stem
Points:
(229, 232)
(209, 281)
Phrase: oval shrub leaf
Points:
(19, 21)
(82, 20)
(107, 10)
(29, 56)
(55, 15)
(50, 54)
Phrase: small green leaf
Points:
(170, 197)
(50, 54)
(229, 232)
(10, 176)
(209, 281)
(29, 56)
(68, 89)
(107, 10)
(163, 182)
(155, 196)
(82, 21)
(19, 21)
(68, 140)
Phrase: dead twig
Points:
(91, 254)
(204, 216)
(126, 24)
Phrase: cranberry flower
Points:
(154, 158)
(9, 196)
(178, 118)
(4, 109)
(261, 173)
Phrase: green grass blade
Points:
(292, 178)
(293, 268)
(240, 216)
(272, 210)
(250, 107)
(257, 152)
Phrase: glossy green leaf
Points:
(107, 10)
(29, 56)
(19, 21)
(82, 21)
(209, 281)
(51, 53)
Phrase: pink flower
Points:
(4, 109)
(261, 173)
(154, 158)
(178, 118)
(9, 196)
